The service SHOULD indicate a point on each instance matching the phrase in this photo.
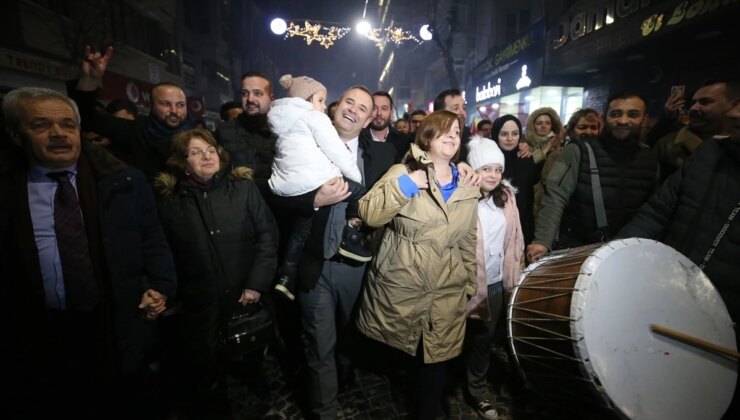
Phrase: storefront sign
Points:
(527, 47)
(30, 64)
(515, 78)
(488, 92)
(683, 12)
(516, 66)
(589, 16)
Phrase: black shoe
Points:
(284, 286)
(346, 379)
(353, 246)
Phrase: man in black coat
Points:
(144, 142)
(248, 138)
(380, 128)
(692, 211)
(696, 211)
(78, 328)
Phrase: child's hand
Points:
(420, 179)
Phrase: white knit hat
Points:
(482, 152)
(300, 86)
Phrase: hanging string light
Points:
(323, 35)
(326, 34)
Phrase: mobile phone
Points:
(678, 91)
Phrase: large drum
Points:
(579, 329)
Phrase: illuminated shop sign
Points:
(517, 76)
(488, 92)
(587, 17)
(681, 13)
(526, 47)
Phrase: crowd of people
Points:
(128, 241)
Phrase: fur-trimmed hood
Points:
(166, 183)
(531, 135)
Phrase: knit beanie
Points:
(300, 87)
(482, 152)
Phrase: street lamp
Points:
(278, 26)
(363, 27)
(425, 34)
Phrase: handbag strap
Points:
(596, 188)
(720, 235)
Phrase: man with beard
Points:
(626, 172)
(380, 128)
(247, 137)
(707, 119)
(415, 121)
(143, 142)
(696, 211)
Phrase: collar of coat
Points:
(463, 192)
(167, 183)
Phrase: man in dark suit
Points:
(85, 268)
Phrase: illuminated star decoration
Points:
(323, 35)
(397, 35)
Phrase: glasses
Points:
(198, 153)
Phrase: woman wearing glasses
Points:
(224, 240)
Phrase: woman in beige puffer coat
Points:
(424, 272)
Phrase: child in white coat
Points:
(309, 153)
(499, 257)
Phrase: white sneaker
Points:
(486, 410)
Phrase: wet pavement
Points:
(371, 396)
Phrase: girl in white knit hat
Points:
(499, 259)
(309, 153)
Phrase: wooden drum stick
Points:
(696, 342)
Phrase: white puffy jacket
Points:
(309, 151)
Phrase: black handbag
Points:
(248, 330)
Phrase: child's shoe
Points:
(353, 246)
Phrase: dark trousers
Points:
(430, 385)
(480, 334)
(302, 229)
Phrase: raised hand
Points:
(93, 67)
(420, 179)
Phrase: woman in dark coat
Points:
(523, 173)
(224, 240)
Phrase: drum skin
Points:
(578, 326)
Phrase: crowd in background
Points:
(351, 229)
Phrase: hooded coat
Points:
(424, 271)
(536, 143)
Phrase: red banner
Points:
(116, 86)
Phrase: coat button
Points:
(211, 232)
